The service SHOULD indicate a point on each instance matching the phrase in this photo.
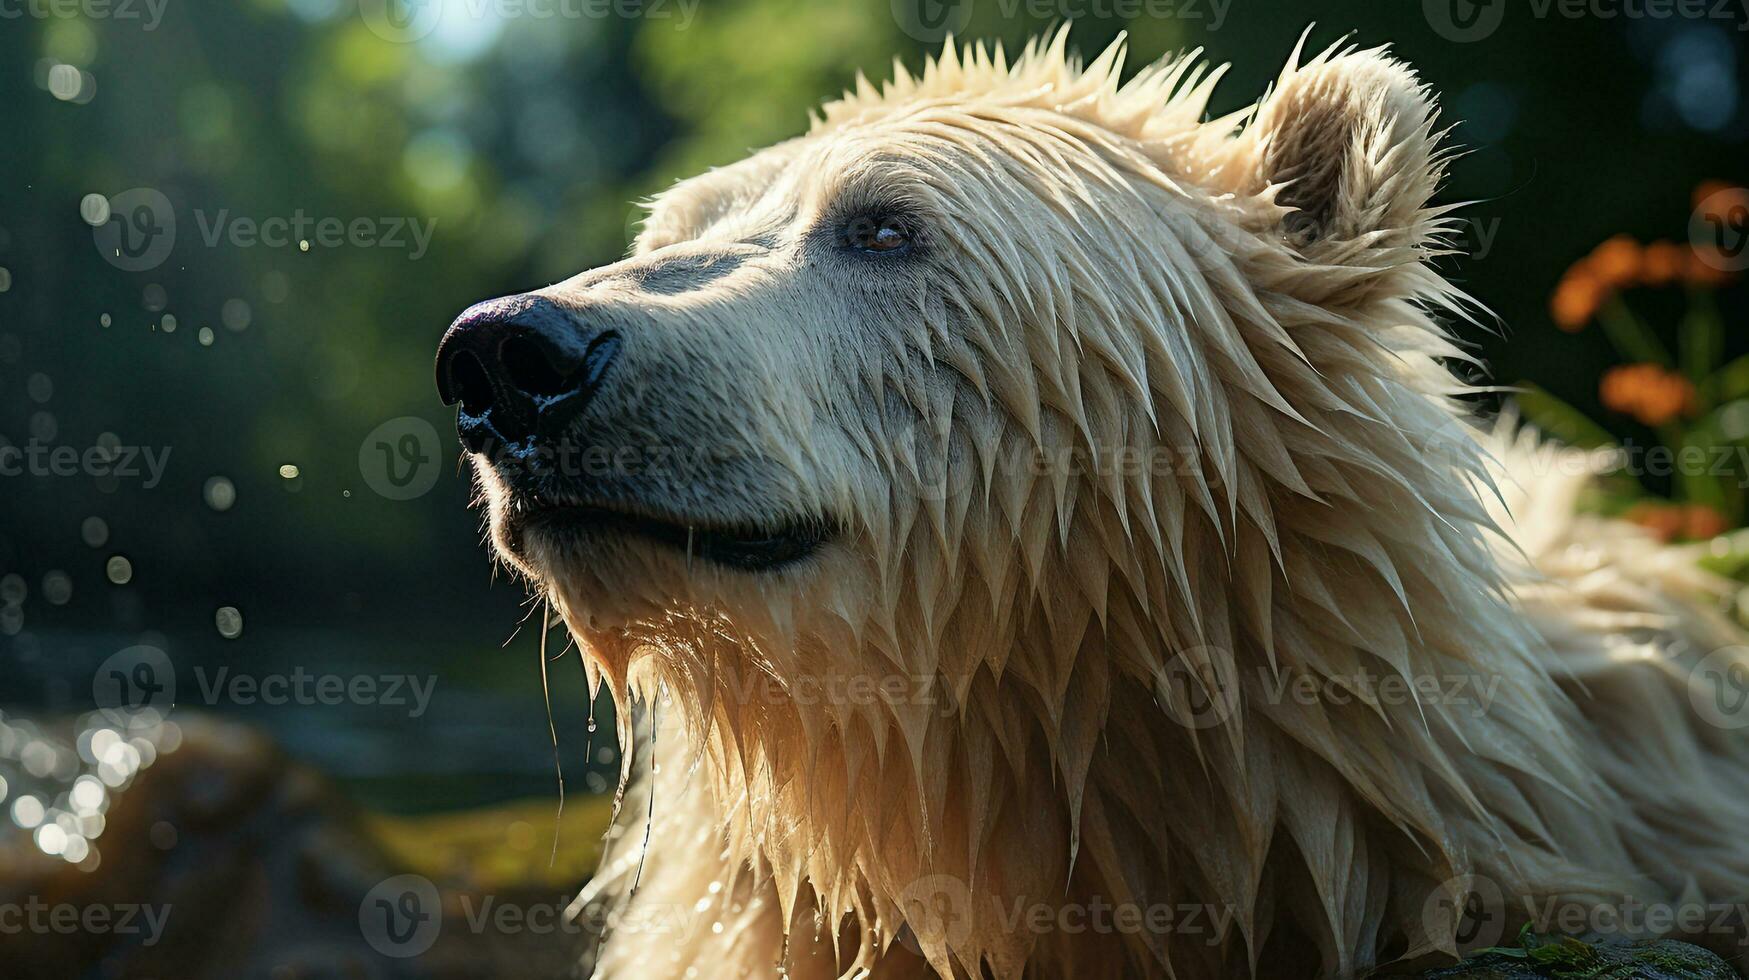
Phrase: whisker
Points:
(552, 728)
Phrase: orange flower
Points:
(1707, 267)
(1707, 188)
(1576, 299)
(1661, 519)
(1620, 386)
(1662, 263)
(1701, 522)
(1616, 261)
(1647, 392)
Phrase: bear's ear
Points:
(1345, 147)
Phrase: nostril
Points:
(471, 382)
(527, 366)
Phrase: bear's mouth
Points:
(762, 548)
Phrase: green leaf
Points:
(1702, 336)
(1561, 420)
(1632, 338)
(1727, 383)
(1700, 485)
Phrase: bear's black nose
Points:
(522, 367)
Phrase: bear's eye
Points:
(878, 234)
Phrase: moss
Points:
(1564, 958)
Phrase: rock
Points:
(230, 860)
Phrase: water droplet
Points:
(40, 388)
(94, 532)
(154, 298)
(235, 315)
(104, 320)
(27, 812)
(5, 279)
(88, 793)
(57, 588)
(65, 82)
(229, 622)
(119, 570)
(288, 471)
(43, 427)
(76, 850)
(206, 336)
(220, 494)
(94, 209)
(169, 323)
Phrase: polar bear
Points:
(1039, 526)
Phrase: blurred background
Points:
(231, 234)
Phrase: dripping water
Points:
(650, 812)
